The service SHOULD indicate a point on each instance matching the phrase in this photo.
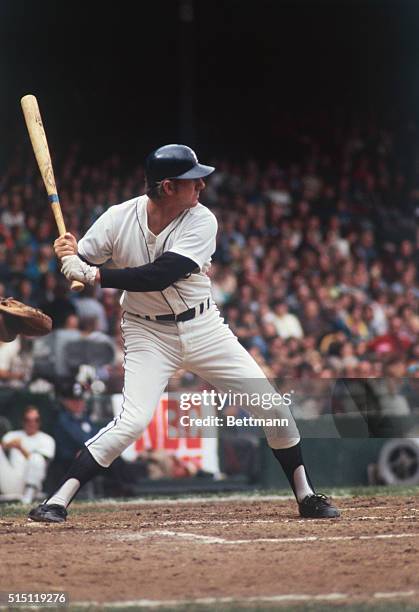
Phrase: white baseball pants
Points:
(17, 472)
(155, 350)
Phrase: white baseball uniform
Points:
(155, 349)
(18, 471)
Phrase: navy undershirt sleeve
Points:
(155, 276)
(85, 260)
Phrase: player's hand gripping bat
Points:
(40, 147)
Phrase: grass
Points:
(390, 606)
(113, 505)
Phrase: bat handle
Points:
(76, 286)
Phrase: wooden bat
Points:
(40, 148)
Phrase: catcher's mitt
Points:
(17, 318)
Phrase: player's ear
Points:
(168, 187)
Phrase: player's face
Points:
(188, 191)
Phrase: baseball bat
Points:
(40, 148)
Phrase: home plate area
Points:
(222, 553)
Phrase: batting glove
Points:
(74, 268)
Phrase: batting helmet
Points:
(174, 161)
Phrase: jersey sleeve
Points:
(96, 246)
(198, 240)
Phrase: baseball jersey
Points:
(40, 443)
(121, 235)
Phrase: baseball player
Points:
(160, 245)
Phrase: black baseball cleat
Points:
(48, 513)
(317, 506)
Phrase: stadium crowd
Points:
(315, 269)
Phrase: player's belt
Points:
(186, 315)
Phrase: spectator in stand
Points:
(356, 324)
(25, 292)
(24, 458)
(286, 324)
(396, 341)
(110, 301)
(13, 215)
(4, 268)
(312, 320)
(60, 306)
(50, 357)
(16, 362)
(89, 307)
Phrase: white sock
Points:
(302, 488)
(65, 493)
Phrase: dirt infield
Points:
(246, 551)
